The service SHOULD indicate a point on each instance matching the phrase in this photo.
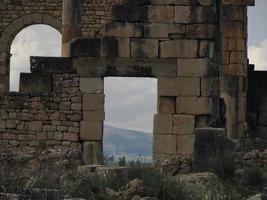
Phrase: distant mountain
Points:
(129, 143)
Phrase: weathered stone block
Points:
(183, 124)
(237, 57)
(164, 144)
(115, 47)
(144, 48)
(121, 29)
(182, 86)
(185, 145)
(155, 13)
(232, 29)
(93, 115)
(92, 153)
(196, 67)
(55, 65)
(210, 86)
(166, 105)
(86, 47)
(200, 31)
(91, 131)
(163, 124)
(179, 49)
(194, 105)
(34, 126)
(93, 102)
(126, 67)
(162, 30)
(35, 83)
(196, 14)
(73, 137)
(91, 85)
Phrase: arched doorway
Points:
(8, 35)
(30, 41)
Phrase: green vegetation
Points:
(224, 165)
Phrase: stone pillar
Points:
(91, 128)
(71, 24)
(4, 71)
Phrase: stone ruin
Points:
(197, 50)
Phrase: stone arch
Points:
(10, 32)
(20, 23)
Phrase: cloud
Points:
(131, 102)
(257, 55)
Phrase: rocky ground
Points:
(55, 175)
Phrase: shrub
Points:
(156, 183)
(253, 176)
(122, 161)
(224, 165)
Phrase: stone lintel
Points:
(125, 67)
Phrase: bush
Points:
(253, 176)
(156, 183)
(122, 161)
(224, 165)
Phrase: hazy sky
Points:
(130, 103)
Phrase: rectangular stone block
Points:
(194, 14)
(179, 49)
(126, 67)
(144, 48)
(181, 86)
(164, 144)
(194, 105)
(156, 13)
(232, 29)
(92, 85)
(163, 124)
(185, 145)
(93, 115)
(34, 126)
(121, 29)
(166, 105)
(200, 31)
(198, 67)
(162, 30)
(239, 2)
(183, 124)
(35, 83)
(237, 57)
(91, 131)
(93, 153)
(237, 44)
(85, 47)
(115, 47)
(175, 2)
(210, 86)
(93, 102)
(236, 70)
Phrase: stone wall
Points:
(39, 120)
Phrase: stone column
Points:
(71, 24)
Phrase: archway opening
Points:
(130, 105)
(35, 40)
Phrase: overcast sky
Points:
(130, 103)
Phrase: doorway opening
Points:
(130, 105)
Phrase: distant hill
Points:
(129, 143)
